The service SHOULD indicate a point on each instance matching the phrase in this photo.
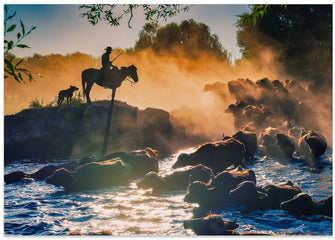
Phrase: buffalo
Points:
(304, 204)
(212, 224)
(312, 145)
(215, 195)
(93, 175)
(141, 161)
(250, 196)
(178, 180)
(40, 174)
(249, 139)
(217, 155)
(286, 145)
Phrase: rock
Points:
(78, 131)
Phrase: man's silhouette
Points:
(106, 71)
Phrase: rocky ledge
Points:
(78, 131)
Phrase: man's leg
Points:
(101, 77)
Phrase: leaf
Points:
(16, 77)
(20, 76)
(254, 19)
(23, 29)
(10, 17)
(9, 64)
(22, 46)
(19, 62)
(22, 70)
(30, 77)
(11, 28)
(261, 13)
(18, 35)
(84, 6)
(33, 28)
(10, 45)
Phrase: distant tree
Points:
(146, 36)
(191, 38)
(12, 65)
(113, 13)
(302, 33)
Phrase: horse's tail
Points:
(83, 83)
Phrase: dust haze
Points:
(195, 91)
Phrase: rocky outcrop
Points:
(78, 131)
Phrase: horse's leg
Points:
(83, 84)
(87, 91)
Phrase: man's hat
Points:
(109, 48)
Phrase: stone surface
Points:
(78, 131)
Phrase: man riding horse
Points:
(107, 77)
(106, 64)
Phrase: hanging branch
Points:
(11, 68)
(113, 15)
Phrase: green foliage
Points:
(302, 33)
(12, 67)
(77, 101)
(191, 38)
(73, 114)
(258, 11)
(113, 13)
(36, 104)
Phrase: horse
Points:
(114, 80)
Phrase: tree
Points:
(11, 63)
(303, 33)
(190, 38)
(146, 36)
(113, 13)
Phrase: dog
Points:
(68, 93)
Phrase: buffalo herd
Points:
(214, 175)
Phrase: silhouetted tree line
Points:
(191, 39)
(301, 33)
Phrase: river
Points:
(37, 208)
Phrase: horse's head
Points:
(133, 73)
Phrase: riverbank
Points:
(77, 131)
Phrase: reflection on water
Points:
(38, 208)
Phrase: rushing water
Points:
(37, 208)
